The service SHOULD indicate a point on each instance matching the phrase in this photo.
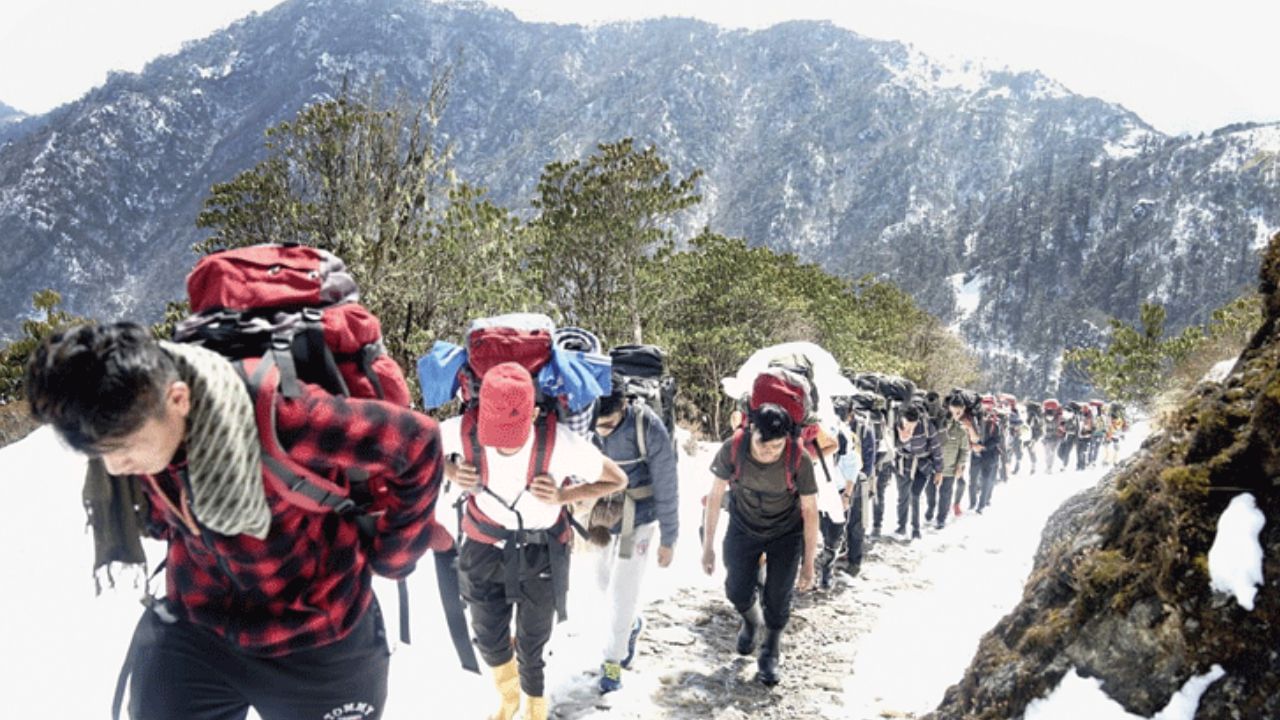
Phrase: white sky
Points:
(1183, 66)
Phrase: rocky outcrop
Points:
(1120, 590)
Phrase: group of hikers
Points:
(275, 448)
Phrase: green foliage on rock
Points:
(1140, 362)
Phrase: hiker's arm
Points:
(392, 445)
(612, 479)
(715, 499)
(666, 486)
(809, 512)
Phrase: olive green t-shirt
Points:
(760, 502)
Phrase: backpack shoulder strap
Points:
(641, 431)
(472, 451)
(740, 449)
(544, 443)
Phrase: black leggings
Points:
(181, 670)
(742, 552)
(482, 575)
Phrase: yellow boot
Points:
(535, 708)
(506, 678)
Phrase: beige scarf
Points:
(224, 457)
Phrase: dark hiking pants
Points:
(853, 529)
(989, 470)
(832, 536)
(181, 670)
(883, 473)
(482, 577)
(909, 489)
(944, 499)
(742, 552)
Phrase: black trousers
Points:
(988, 470)
(482, 576)
(975, 480)
(944, 499)
(853, 528)
(742, 552)
(883, 474)
(182, 670)
(909, 489)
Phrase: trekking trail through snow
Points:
(884, 644)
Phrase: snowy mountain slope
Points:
(864, 155)
(889, 641)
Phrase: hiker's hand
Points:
(937, 480)
(665, 553)
(708, 560)
(466, 476)
(544, 488)
(804, 583)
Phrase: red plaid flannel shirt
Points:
(309, 581)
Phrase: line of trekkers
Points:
(272, 445)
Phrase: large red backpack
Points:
(790, 391)
(291, 314)
(525, 339)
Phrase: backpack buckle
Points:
(312, 315)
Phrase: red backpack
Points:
(290, 314)
(525, 339)
(790, 391)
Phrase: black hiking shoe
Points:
(767, 663)
(752, 619)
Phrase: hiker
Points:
(955, 455)
(988, 453)
(1035, 432)
(633, 436)
(835, 474)
(1084, 436)
(772, 511)
(917, 461)
(268, 604)
(871, 408)
(856, 462)
(1055, 431)
(515, 559)
(1018, 434)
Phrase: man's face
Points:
(606, 424)
(957, 411)
(149, 449)
(767, 451)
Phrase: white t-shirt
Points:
(508, 476)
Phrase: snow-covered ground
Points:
(908, 625)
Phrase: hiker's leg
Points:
(784, 555)
(482, 577)
(182, 671)
(742, 567)
(853, 528)
(918, 484)
(624, 592)
(944, 500)
(904, 498)
(535, 618)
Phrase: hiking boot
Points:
(767, 663)
(901, 531)
(535, 708)
(610, 677)
(915, 534)
(636, 627)
(875, 531)
(853, 569)
(506, 678)
(940, 525)
(752, 620)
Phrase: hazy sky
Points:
(1183, 66)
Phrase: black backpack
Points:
(642, 369)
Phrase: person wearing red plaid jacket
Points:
(268, 605)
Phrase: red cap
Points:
(506, 406)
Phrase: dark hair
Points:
(911, 413)
(956, 400)
(772, 422)
(617, 397)
(95, 383)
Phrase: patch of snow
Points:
(1235, 559)
(1219, 372)
(1078, 697)
(919, 71)
(1128, 146)
(968, 296)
